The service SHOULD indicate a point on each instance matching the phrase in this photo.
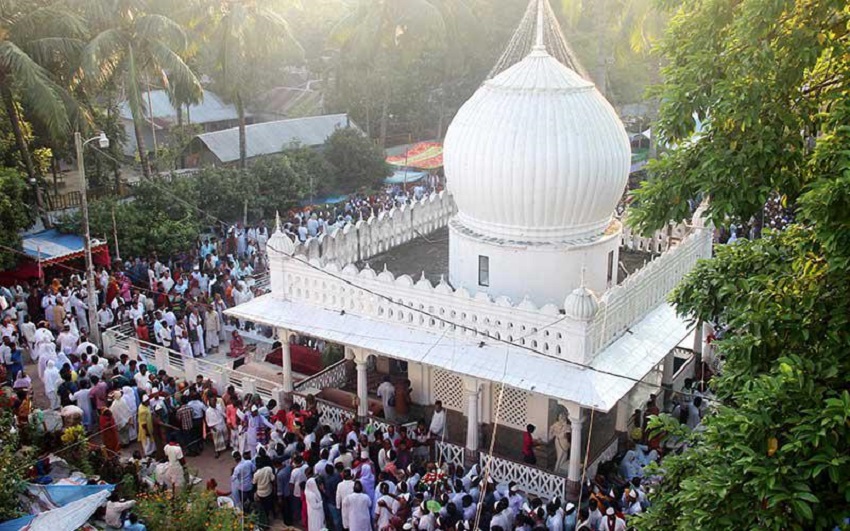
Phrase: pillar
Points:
(667, 379)
(471, 390)
(623, 411)
(362, 386)
(286, 362)
(577, 424)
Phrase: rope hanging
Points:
(538, 21)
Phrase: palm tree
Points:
(30, 36)
(240, 35)
(621, 29)
(134, 43)
(378, 34)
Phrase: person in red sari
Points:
(237, 345)
(142, 331)
(109, 431)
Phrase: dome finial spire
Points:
(538, 41)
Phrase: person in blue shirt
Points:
(132, 523)
(242, 479)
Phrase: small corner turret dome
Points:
(581, 305)
(537, 154)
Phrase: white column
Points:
(577, 423)
(698, 337)
(362, 386)
(623, 412)
(471, 389)
(286, 363)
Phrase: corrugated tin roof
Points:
(211, 109)
(272, 137)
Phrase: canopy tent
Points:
(66, 507)
(49, 248)
(405, 177)
(422, 156)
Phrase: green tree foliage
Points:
(765, 77)
(359, 163)
(14, 214)
(241, 37)
(772, 79)
(12, 481)
(280, 184)
(133, 46)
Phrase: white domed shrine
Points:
(536, 161)
(517, 317)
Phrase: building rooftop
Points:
(430, 253)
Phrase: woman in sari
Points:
(237, 345)
(109, 431)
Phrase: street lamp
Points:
(103, 142)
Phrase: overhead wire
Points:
(390, 300)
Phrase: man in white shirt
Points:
(345, 487)
(67, 340)
(299, 476)
(438, 421)
(105, 316)
(386, 392)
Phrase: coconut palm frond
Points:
(102, 54)
(41, 95)
(163, 29)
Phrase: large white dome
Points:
(537, 155)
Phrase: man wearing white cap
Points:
(632, 506)
(356, 510)
(612, 522)
(255, 421)
(570, 517)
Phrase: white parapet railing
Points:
(174, 364)
(366, 238)
(530, 479)
(334, 376)
(624, 305)
(448, 453)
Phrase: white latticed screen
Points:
(448, 387)
(514, 409)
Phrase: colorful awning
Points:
(423, 156)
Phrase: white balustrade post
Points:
(132, 350)
(249, 385)
(362, 386)
(577, 423)
(190, 369)
(471, 389)
(161, 356)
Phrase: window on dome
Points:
(483, 270)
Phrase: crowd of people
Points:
(311, 222)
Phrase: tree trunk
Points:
(140, 145)
(17, 130)
(602, 43)
(182, 135)
(243, 141)
(382, 141)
